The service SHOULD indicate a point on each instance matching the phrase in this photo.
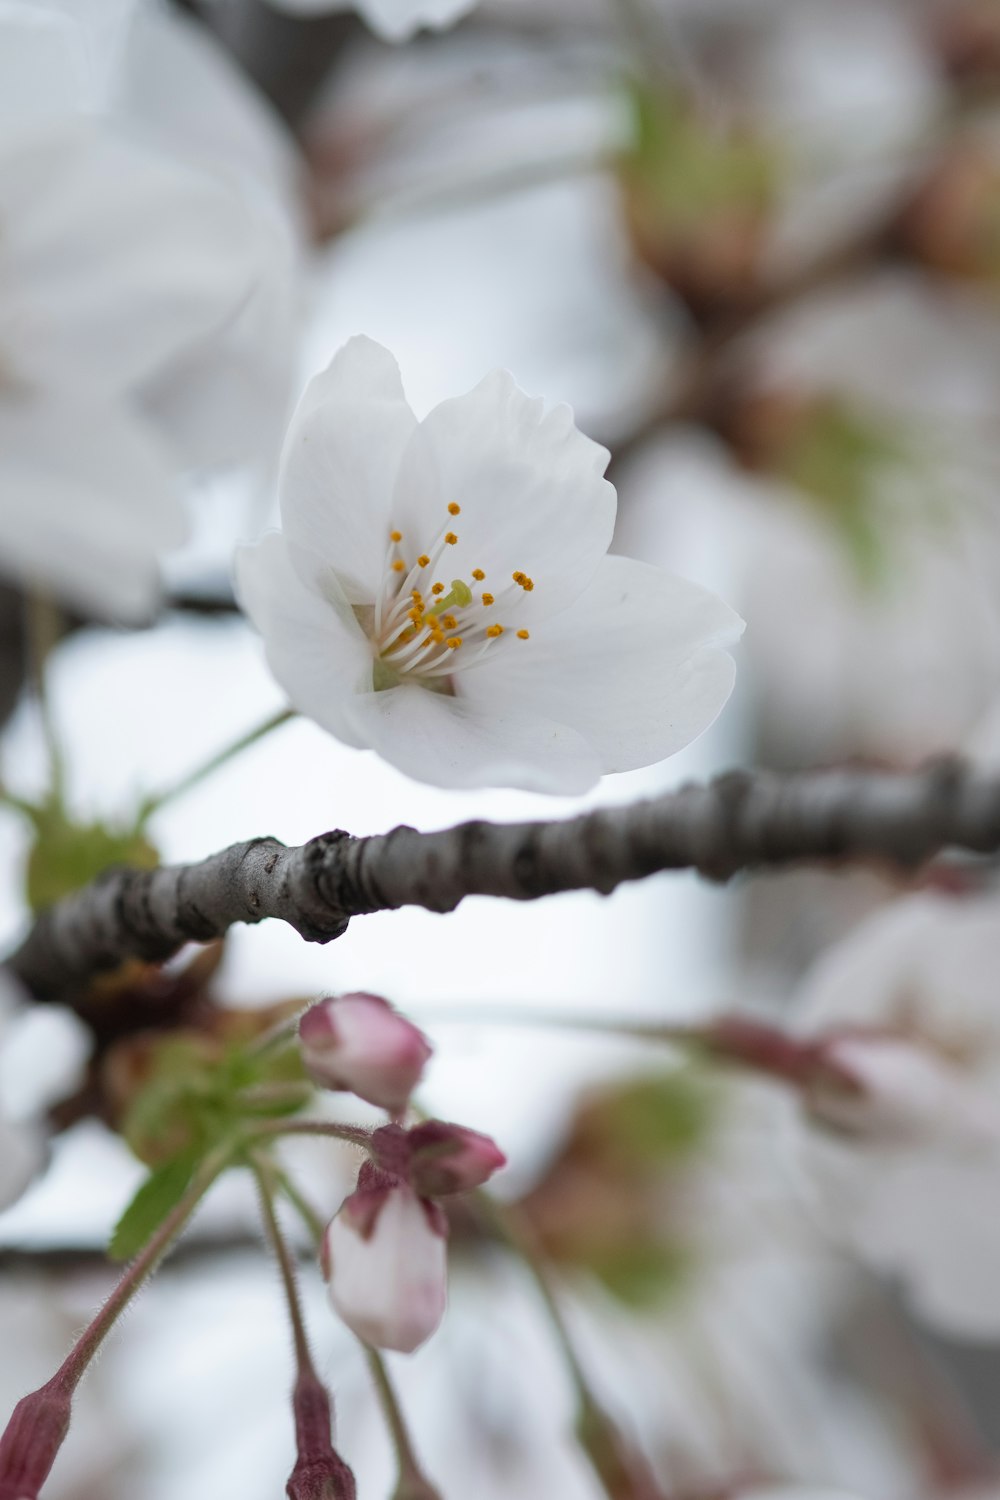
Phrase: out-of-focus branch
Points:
(740, 821)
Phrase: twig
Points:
(741, 821)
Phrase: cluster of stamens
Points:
(420, 628)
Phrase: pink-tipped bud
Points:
(319, 1473)
(360, 1043)
(32, 1438)
(385, 1259)
(447, 1158)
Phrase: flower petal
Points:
(391, 1287)
(116, 259)
(636, 665)
(449, 742)
(314, 648)
(340, 462)
(529, 485)
(86, 505)
(42, 68)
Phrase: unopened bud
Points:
(384, 1256)
(360, 1043)
(447, 1158)
(320, 1473)
(32, 1438)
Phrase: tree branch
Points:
(741, 821)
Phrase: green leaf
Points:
(161, 1191)
(67, 855)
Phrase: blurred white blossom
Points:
(792, 1492)
(907, 1170)
(436, 646)
(22, 1141)
(122, 268)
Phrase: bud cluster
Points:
(384, 1253)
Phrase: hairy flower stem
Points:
(319, 1473)
(742, 1041)
(411, 1482)
(40, 1421)
(354, 1135)
(152, 804)
(623, 1473)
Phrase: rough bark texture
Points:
(738, 822)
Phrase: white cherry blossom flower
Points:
(441, 591)
(909, 1174)
(393, 20)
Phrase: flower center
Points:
(426, 632)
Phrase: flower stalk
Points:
(40, 1421)
(623, 1473)
(319, 1472)
(156, 800)
(411, 1482)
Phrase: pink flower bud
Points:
(319, 1473)
(447, 1158)
(360, 1043)
(33, 1437)
(384, 1256)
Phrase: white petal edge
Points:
(340, 463)
(314, 649)
(450, 743)
(530, 488)
(637, 665)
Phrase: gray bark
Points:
(741, 821)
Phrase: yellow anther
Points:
(397, 536)
(453, 642)
(454, 510)
(423, 560)
(449, 622)
(399, 566)
(437, 588)
(416, 615)
(527, 584)
(416, 596)
(450, 538)
(522, 635)
(494, 630)
(437, 636)
(518, 577)
(478, 574)
(487, 600)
